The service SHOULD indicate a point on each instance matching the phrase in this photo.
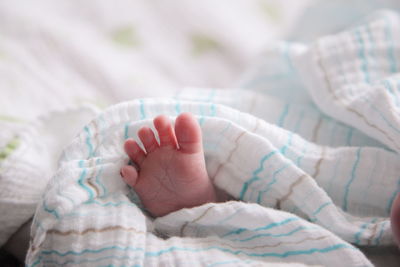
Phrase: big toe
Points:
(188, 133)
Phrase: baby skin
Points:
(172, 175)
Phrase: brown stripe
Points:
(230, 154)
(373, 232)
(261, 246)
(318, 164)
(290, 191)
(252, 104)
(316, 130)
(195, 220)
(94, 230)
(257, 125)
(93, 186)
(89, 180)
(96, 132)
(319, 60)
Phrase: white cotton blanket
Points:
(308, 183)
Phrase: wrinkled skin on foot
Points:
(170, 175)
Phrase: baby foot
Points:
(171, 175)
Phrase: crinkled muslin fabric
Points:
(314, 169)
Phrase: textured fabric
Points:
(305, 192)
(103, 52)
(29, 155)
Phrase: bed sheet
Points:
(54, 54)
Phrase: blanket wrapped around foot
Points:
(308, 183)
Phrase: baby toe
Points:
(148, 139)
(188, 134)
(165, 131)
(135, 153)
(130, 175)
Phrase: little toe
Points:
(148, 139)
(188, 133)
(135, 153)
(165, 131)
(130, 175)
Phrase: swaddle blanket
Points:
(308, 183)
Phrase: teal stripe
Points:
(247, 184)
(213, 110)
(282, 150)
(52, 211)
(108, 204)
(209, 98)
(86, 251)
(188, 249)
(36, 262)
(378, 238)
(255, 178)
(88, 142)
(362, 230)
(382, 116)
(60, 193)
(285, 111)
(126, 130)
(274, 180)
(289, 142)
(353, 176)
(142, 111)
(201, 111)
(230, 216)
(303, 153)
(211, 95)
(178, 107)
(94, 260)
(349, 136)
(371, 43)
(361, 55)
(315, 213)
(96, 213)
(269, 235)
(267, 227)
(389, 88)
(80, 181)
(286, 55)
(390, 52)
(99, 173)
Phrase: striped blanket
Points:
(310, 154)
